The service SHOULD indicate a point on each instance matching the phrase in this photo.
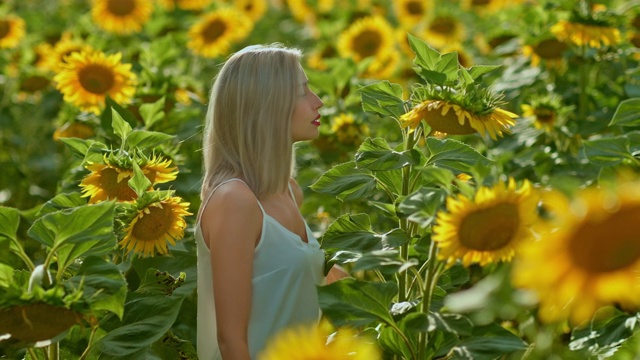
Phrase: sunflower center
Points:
(367, 43)
(34, 83)
(490, 228)
(114, 189)
(154, 225)
(214, 30)
(608, 245)
(121, 7)
(480, 2)
(443, 26)
(635, 40)
(415, 8)
(96, 79)
(550, 49)
(448, 123)
(4, 28)
(545, 115)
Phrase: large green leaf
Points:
(351, 232)
(346, 182)
(607, 151)
(80, 147)
(453, 154)
(432, 66)
(355, 302)
(103, 285)
(421, 206)
(627, 113)
(62, 201)
(9, 222)
(120, 127)
(76, 232)
(144, 139)
(377, 155)
(383, 98)
(146, 319)
(487, 342)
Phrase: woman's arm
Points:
(231, 225)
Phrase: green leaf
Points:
(450, 323)
(120, 127)
(152, 112)
(383, 98)
(144, 139)
(477, 71)
(487, 342)
(421, 206)
(6, 276)
(351, 232)
(346, 182)
(453, 154)
(627, 113)
(139, 182)
(146, 319)
(448, 64)
(355, 302)
(76, 232)
(386, 261)
(160, 282)
(607, 151)
(426, 56)
(9, 222)
(376, 155)
(80, 147)
(103, 286)
(394, 341)
(62, 201)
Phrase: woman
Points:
(258, 262)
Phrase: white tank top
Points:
(286, 271)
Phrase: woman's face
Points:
(306, 118)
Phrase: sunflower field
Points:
(477, 173)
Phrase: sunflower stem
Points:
(54, 351)
(409, 143)
(433, 273)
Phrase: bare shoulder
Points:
(232, 206)
(297, 191)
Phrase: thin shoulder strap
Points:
(204, 204)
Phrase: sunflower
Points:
(195, 5)
(318, 56)
(73, 130)
(110, 181)
(255, 9)
(589, 257)
(154, 225)
(443, 30)
(411, 12)
(310, 342)
(216, 32)
(89, 77)
(488, 5)
(122, 17)
(546, 111)
(369, 37)
(548, 50)
(450, 118)
(347, 131)
(487, 228)
(581, 34)
(306, 11)
(11, 31)
(56, 59)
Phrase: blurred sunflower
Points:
(255, 9)
(411, 12)
(595, 27)
(185, 4)
(43, 51)
(546, 112)
(155, 225)
(369, 37)
(12, 30)
(443, 30)
(217, 31)
(306, 11)
(62, 49)
(548, 50)
(73, 130)
(109, 180)
(318, 56)
(122, 17)
(450, 118)
(488, 228)
(89, 77)
(464, 57)
(589, 256)
(488, 5)
(312, 342)
(347, 131)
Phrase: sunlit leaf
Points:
(383, 98)
(144, 139)
(139, 182)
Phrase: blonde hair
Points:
(247, 130)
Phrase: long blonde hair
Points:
(247, 130)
